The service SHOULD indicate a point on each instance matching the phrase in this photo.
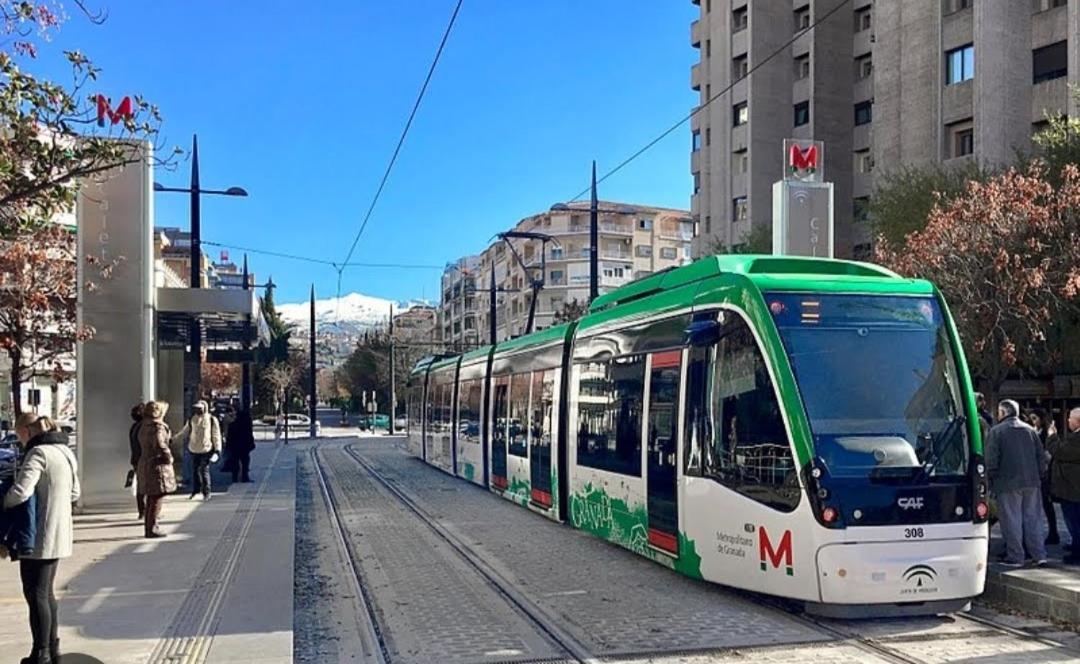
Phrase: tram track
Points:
(371, 631)
(573, 649)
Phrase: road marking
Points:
(96, 600)
(566, 593)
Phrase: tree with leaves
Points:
(220, 379)
(757, 240)
(1006, 256)
(52, 138)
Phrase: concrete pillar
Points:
(115, 367)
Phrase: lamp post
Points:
(193, 359)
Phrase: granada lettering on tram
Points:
(775, 555)
(733, 544)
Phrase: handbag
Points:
(130, 479)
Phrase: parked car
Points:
(400, 423)
(298, 423)
(9, 454)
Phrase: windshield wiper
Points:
(941, 444)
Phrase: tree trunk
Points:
(16, 382)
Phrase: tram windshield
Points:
(878, 378)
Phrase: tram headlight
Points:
(829, 515)
(980, 469)
(982, 510)
(816, 473)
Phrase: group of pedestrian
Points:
(1031, 467)
(152, 460)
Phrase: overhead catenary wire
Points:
(404, 133)
(667, 132)
(322, 261)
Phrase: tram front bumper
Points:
(906, 571)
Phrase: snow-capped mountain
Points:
(353, 312)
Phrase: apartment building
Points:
(634, 241)
(883, 83)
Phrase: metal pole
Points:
(491, 305)
(286, 414)
(313, 407)
(393, 384)
(245, 376)
(193, 368)
(594, 251)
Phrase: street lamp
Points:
(194, 359)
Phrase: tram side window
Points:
(433, 407)
(498, 412)
(448, 409)
(736, 432)
(610, 396)
(519, 415)
(469, 410)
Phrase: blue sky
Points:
(302, 104)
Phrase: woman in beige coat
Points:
(48, 473)
(155, 470)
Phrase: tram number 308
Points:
(913, 533)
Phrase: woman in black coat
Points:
(239, 442)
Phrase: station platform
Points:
(1051, 592)
(219, 588)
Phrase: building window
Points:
(697, 182)
(740, 18)
(695, 140)
(864, 161)
(802, 67)
(960, 65)
(557, 278)
(740, 161)
(863, 19)
(1050, 62)
(556, 253)
(961, 136)
(708, 48)
(739, 67)
(860, 209)
(643, 250)
(953, 6)
(610, 397)
(864, 68)
(708, 225)
(669, 253)
(708, 136)
(739, 209)
(740, 113)
(802, 18)
(644, 224)
(802, 113)
(864, 113)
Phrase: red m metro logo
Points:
(781, 554)
(803, 160)
(122, 112)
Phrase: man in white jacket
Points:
(203, 434)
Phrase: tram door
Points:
(661, 444)
(499, 418)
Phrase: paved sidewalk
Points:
(1051, 592)
(217, 589)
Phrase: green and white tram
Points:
(799, 427)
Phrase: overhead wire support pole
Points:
(313, 407)
(594, 239)
(393, 384)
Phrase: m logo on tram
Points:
(781, 554)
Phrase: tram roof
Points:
(769, 273)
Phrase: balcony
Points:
(695, 76)
(616, 255)
(695, 34)
(618, 229)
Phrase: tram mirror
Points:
(703, 333)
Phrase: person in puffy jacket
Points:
(155, 472)
(49, 473)
(203, 433)
(239, 444)
(1065, 481)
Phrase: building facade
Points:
(634, 241)
(882, 83)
